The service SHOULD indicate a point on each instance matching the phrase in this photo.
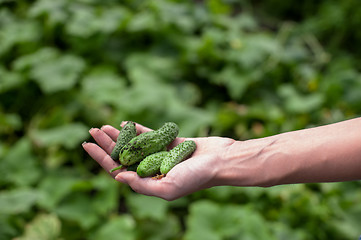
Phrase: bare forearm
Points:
(323, 154)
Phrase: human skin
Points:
(329, 153)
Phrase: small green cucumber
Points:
(116, 168)
(176, 155)
(148, 143)
(150, 165)
(132, 168)
(127, 133)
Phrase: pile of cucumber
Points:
(147, 153)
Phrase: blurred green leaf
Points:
(9, 123)
(17, 32)
(174, 14)
(78, 208)
(297, 103)
(69, 136)
(253, 50)
(145, 207)
(82, 21)
(186, 117)
(20, 166)
(282, 231)
(87, 20)
(208, 220)
(119, 227)
(2, 150)
(142, 21)
(9, 80)
(42, 227)
(239, 69)
(163, 68)
(55, 188)
(218, 6)
(41, 55)
(146, 93)
(52, 71)
(167, 228)
(348, 223)
(236, 81)
(106, 199)
(55, 11)
(18, 200)
(58, 74)
(104, 86)
(7, 230)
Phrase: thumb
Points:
(126, 177)
(147, 186)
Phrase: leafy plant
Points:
(240, 69)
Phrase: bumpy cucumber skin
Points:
(127, 133)
(177, 154)
(148, 143)
(150, 165)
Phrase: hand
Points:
(198, 172)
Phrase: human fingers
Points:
(147, 186)
(185, 178)
(176, 141)
(101, 157)
(103, 139)
(140, 128)
(111, 131)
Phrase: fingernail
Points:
(83, 143)
(92, 130)
(124, 122)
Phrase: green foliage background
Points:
(242, 69)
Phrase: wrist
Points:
(248, 163)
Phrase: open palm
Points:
(196, 173)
